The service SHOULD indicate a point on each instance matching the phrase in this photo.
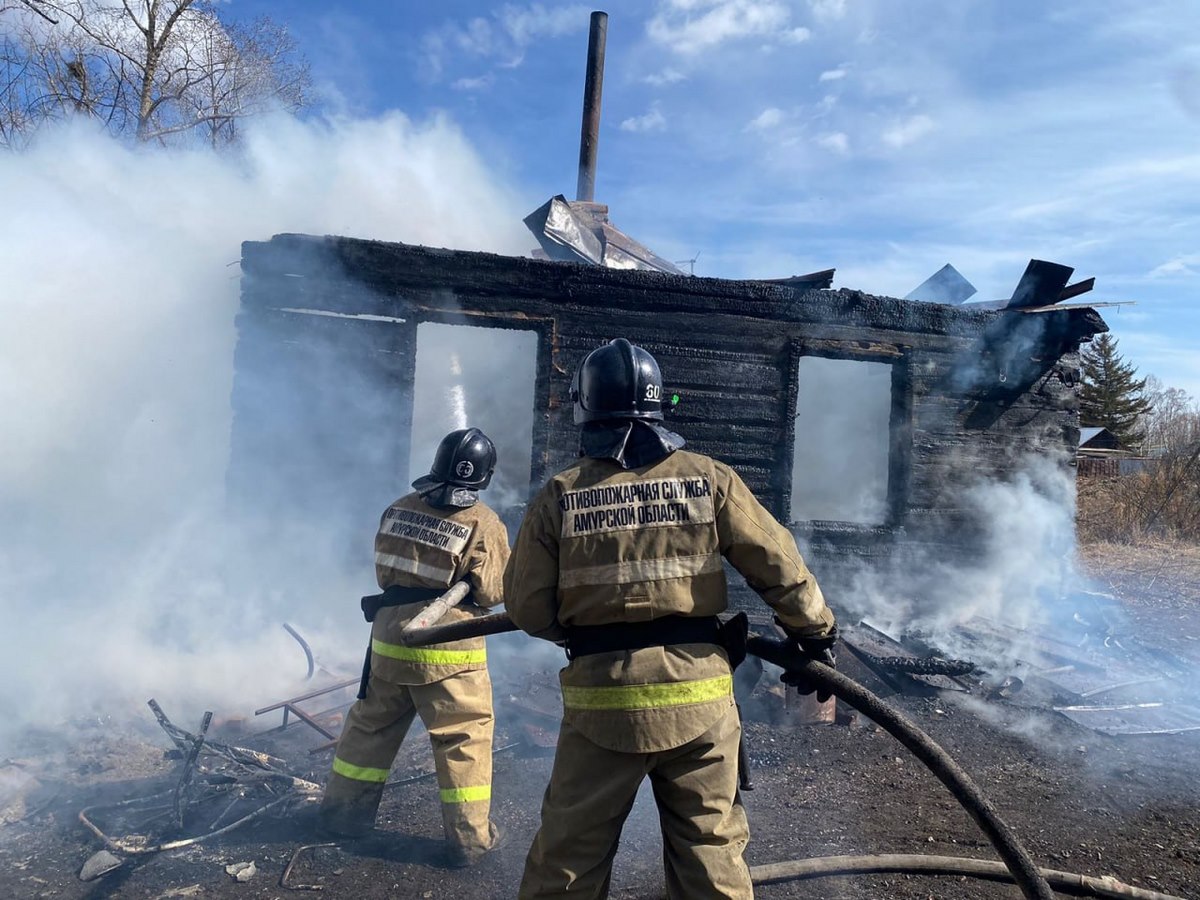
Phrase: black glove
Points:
(819, 649)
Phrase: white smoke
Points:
(485, 377)
(1018, 579)
(118, 576)
(843, 438)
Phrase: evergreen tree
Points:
(1111, 396)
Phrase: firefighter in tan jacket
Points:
(427, 541)
(620, 557)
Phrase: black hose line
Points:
(1025, 872)
(915, 864)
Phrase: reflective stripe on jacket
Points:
(419, 545)
(601, 544)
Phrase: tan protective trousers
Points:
(591, 792)
(457, 712)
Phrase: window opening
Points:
(840, 455)
(470, 376)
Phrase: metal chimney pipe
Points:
(593, 85)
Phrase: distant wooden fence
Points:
(1109, 467)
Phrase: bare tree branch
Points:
(33, 4)
(147, 69)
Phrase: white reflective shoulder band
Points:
(637, 570)
(401, 564)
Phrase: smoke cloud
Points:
(121, 577)
(1024, 568)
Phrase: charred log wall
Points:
(972, 391)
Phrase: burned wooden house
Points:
(860, 420)
(857, 419)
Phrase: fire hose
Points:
(919, 863)
(1016, 859)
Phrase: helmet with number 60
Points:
(617, 381)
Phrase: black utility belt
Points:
(397, 595)
(588, 640)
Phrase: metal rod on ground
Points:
(593, 87)
(787, 656)
(1016, 858)
(821, 867)
(292, 701)
(308, 654)
(287, 870)
(433, 613)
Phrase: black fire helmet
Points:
(465, 458)
(617, 381)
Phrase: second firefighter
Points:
(427, 541)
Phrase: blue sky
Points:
(776, 137)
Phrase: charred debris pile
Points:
(218, 789)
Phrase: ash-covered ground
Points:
(1083, 802)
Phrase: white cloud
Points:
(504, 37)
(473, 84)
(832, 75)
(1041, 209)
(689, 26)
(477, 37)
(827, 10)
(836, 141)
(908, 131)
(767, 119)
(1187, 266)
(1184, 166)
(666, 76)
(654, 120)
(795, 35)
(524, 25)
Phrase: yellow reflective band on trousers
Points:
(359, 773)
(428, 656)
(648, 696)
(466, 794)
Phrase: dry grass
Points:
(1162, 574)
(1162, 504)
